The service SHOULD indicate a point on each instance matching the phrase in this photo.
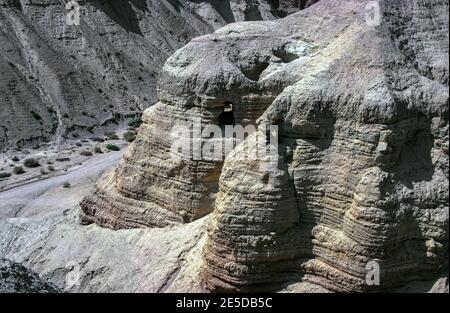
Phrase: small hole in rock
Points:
(227, 116)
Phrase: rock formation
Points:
(59, 80)
(15, 278)
(361, 104)
(150, 188)
(363, 165)
(149, 260)
(92, 259)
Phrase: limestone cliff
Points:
(361, 104)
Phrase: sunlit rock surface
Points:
(362, 171)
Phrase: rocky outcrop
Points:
(151, 187)
(15, 278)
(361, 175)
(59, 80)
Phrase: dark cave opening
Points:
(227, 116)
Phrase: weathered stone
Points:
(371, 184)
(150, 187)
(362, 169)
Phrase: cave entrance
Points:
(227, 116)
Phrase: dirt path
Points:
(48, 196)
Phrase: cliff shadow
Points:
(123, 13)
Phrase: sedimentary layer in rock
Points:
(361, 178)
(362, 172)
(154, 186)
(59, 80)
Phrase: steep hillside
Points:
(361, 170)
(59, 80)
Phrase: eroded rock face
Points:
(150, 187)
(59, 80)
(362, 174)
(362, 170)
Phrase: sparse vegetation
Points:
(62, 160)
(135, 123)
(112, 136)
(36, 116)
(18, 170)
(86, 153)
(116, 118)
(112, 147)
(129, 136)
(31, 163)
(97, 139)
(4, 175)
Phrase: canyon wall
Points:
(66, 81)
(361, 175)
